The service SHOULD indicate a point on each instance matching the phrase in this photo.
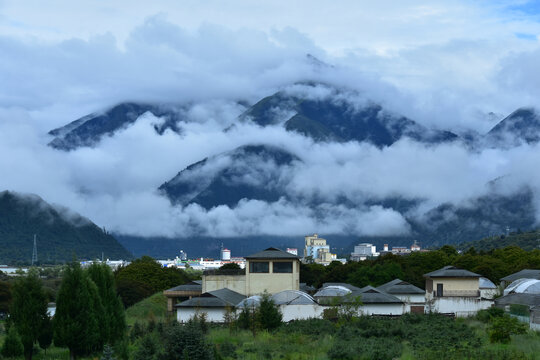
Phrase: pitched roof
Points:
(370, 295)
(520, 298)
(452, 271)
(523, 274)
(398, 286)
(217, 298)
(272, 253)
(190, 286)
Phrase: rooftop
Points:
(398, 286)
(523, 274)
(217, 298)
(370, 295)
(452, 272)
(272, 253)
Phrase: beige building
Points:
(271, 270)
(451, 281)
(317, 250)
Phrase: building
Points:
(271, 270)
(454, 290)
(364, 251)
(317, 251)
(214, 303)
(413, 297)
(181, 293)
(415, 246)
(523, 274)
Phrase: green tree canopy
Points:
(28, 310)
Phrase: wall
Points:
(412, 298)
(461, 306)
(183, 314)
(232, 282)
(382, 309)
(488, 293)
(455, 286)
(297, 312)
(258, 283)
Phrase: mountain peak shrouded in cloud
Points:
(521, 126)
(90, 129)
(326, 113)
(252, 172)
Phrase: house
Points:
(376, 302)
(454, 290)
(413, 297)
(523, 274)
(271, 270)
(214, 303)
(181, 293)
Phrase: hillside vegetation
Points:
(529, 240)
(61, 234)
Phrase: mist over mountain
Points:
(61, 233)
(350, 197)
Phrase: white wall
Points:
(297, 312)
(414, 298)
(488, 293)
(183, 314)
(461, 306)
(382, 309)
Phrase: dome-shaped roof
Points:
(333, 290)
(521, 286)
(252, 301)
(292, 297)
(485, 283)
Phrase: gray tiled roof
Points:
(191, 286)
(217, 298)
(272, 253)
(518, 298)
(370, 295)
(451, 271)
(523, 274)
(398, 286)
(348, 286)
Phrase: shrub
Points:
(488, 315)
(501, 329)
(13, 346)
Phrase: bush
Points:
(268, 315)
(488, 315)
(13, 346)
(502, 328)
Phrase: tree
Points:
(230, 266)
(113, 320)
(29, 310)
(269, 315)
(12, 346)
(78, 304)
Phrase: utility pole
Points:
(34, 252)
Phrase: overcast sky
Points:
(456, 65)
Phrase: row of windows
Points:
(264, 267)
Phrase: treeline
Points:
(493, 264)
(528, 240)
(89, 313)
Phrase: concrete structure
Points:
(376, 302)
(225, 254)
(214, 303)
(364, 251)
(488, 290)
(317, 250)
(454, 290)
(181, 293)
(271, 270)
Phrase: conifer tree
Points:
(29, 310)
(12, 346)
(113, 321)
(76, 321)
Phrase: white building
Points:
(364, 251)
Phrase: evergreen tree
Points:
(76, 321)
(29, 310)
(269, 315)
(113, 320)
(12, 346)
(108, 353)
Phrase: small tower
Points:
(34, 251)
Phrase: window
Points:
(259, 267)
(283, 267)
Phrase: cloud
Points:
(444, 65)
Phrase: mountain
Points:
(529, 240)
(61, 234)
(338, 116)
(250, 171)
(90, 129)
(521, 126)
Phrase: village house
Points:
(454, 290)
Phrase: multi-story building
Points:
(364, 251)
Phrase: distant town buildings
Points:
(316, 250)
(366, 250)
